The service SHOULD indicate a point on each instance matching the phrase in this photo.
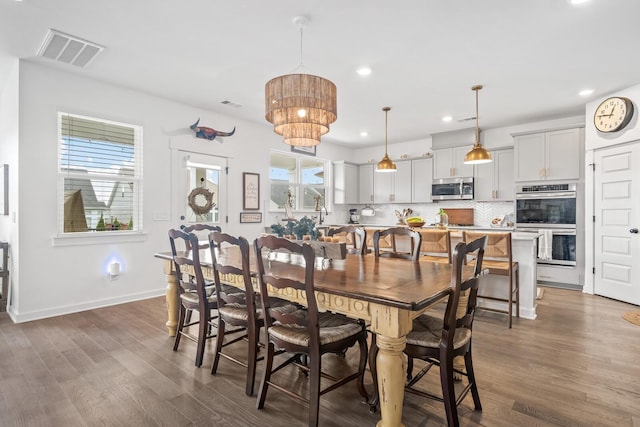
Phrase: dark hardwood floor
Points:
(576, 365)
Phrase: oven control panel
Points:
(544, 188)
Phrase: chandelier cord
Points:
(301, 34)
(477, 120)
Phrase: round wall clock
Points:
(613, 114)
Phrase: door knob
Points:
(634, 231)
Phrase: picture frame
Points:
(309, 151)
(250, 191)
(4, 187)
(250, 217)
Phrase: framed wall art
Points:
(250, 191)
(309, 151)
(250, 217)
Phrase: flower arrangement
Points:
(303, 226)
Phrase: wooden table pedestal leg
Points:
(172, 302)
(391, 369)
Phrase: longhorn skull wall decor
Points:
(209, 133)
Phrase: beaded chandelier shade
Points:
(301, 107)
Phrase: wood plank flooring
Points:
(576, 365)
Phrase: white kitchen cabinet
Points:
(449, 163)
(548, 156)
(345, 183)
(422, 177)
(365, 183)
(494, 181)
(393, 187)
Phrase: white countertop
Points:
(515, 235)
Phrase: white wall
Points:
(9, 152)
(61, 279)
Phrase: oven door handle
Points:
(561, 232)
(558, 195)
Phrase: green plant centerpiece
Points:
(299, 228)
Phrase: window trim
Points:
(62, 238)
(299, 186)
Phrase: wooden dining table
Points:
(387, 293)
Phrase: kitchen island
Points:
(525, 252)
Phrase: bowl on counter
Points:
(415, 224)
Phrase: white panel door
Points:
(617, 209)
(193, 170)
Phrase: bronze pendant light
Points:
(478, 154)
(386, 164)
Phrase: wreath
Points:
(201, 200)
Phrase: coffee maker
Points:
(353, 216)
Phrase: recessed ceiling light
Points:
(364, 133)
(364, 71)
(585, 92)
(447, 118)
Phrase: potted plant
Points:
(131, 224)
(116, 224)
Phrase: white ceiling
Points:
(533, 57)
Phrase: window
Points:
(304, 177)
(100, 175)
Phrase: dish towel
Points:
(545, 245)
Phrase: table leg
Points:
(172, 301)
(391, 374)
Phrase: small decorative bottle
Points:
(442, 219)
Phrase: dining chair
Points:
(436, 245)
(438, 340)
(415, 240)
(499, 261)
(202, 231)
(304, 333)
(238, 309)
(356, 236)
(195, 294)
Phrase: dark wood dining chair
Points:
(499, 261)
(195, 294)
(237, 308)
(415, 240)
(202, 231)
(304, 333)
(437, 340)
(354, 235)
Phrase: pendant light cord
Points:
(386, 128)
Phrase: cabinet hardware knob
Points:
(633, 231)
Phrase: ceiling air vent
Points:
(230, 103)
(68, 49)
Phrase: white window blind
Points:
(100, 175)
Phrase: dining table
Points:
(386, 293)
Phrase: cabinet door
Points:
(422, 170)
(339, 183)
(530, 162)
(459, 168)
(442, 163)
(351, 183)
(365, 183)
(563, 154)
(402, 183)
(383, 187)
(484, 180)
(504, 188)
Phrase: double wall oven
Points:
(551, 209)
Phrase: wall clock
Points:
(613, 114)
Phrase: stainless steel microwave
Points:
(452, 189)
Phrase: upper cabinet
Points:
(449, 163)
(422, 173)
(548, 156)
(494, 180)
(393, 187)
(345, 183)
(365, 183)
